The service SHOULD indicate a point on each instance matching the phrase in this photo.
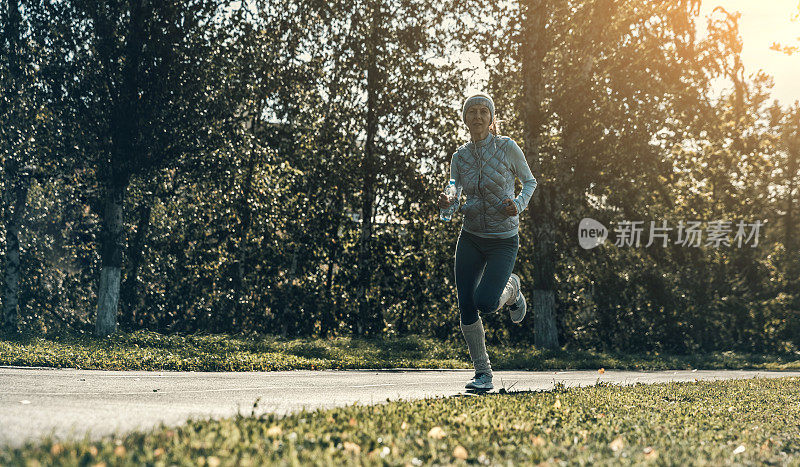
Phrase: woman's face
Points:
(478, 119)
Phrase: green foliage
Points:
(707, 422)
(243, 209)
(145, 350)
(630, 131)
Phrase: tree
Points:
(789, 181)
(143, 88)
(383, 99)
(598, 91)
(535, 42)
(24, 123)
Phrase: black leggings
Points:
(482, 268)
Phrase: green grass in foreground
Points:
(741, 422)
(143, 350)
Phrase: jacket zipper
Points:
(483, 197)
(480, 190)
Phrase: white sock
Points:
(476, 343)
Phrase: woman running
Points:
(486, 168)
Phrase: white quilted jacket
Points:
(486, 172)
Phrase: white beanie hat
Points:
(479, 98)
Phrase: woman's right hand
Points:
(444, 201)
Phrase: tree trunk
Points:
(329, 312)
(789, 227)
(243, 235)
(544, 283)
(17, 179)
(367, 319)
(16, 195)
(790, 239)
(129, 294)
(111, 262)
(542, 217)
(125, 145)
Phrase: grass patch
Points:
(144, 350)
(743, 422)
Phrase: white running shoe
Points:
(481, 381)
(520, 306)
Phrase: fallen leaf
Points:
(158, 452)
(460, 452)
(436, 432)
(601, 370)
(119, 451)
(274, 430)
(353, 421)
(650, 453)
(617, 444)
(213, 461)
(538, 441)
(56, 449)
(740, 449)
(352, 447)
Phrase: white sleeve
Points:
(524, 174)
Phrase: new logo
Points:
(591, 233)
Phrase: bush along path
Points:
(143, 350)
(720, 423)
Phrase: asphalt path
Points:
(71, 404)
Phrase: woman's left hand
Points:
(509, 207)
